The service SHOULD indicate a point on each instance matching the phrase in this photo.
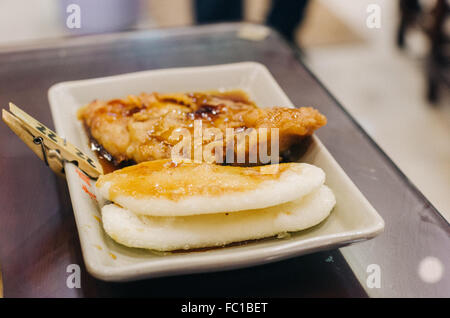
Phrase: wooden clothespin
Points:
(47, 145)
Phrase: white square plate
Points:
(353, 219)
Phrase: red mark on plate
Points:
(83, 177)
(93, 197)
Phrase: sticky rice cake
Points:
(165, 188)
(196, 231)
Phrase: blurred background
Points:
(392, 75)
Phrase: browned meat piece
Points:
(146, 127)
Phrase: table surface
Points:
(37, 228)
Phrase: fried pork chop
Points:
(143, 128)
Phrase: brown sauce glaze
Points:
(105, 159)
